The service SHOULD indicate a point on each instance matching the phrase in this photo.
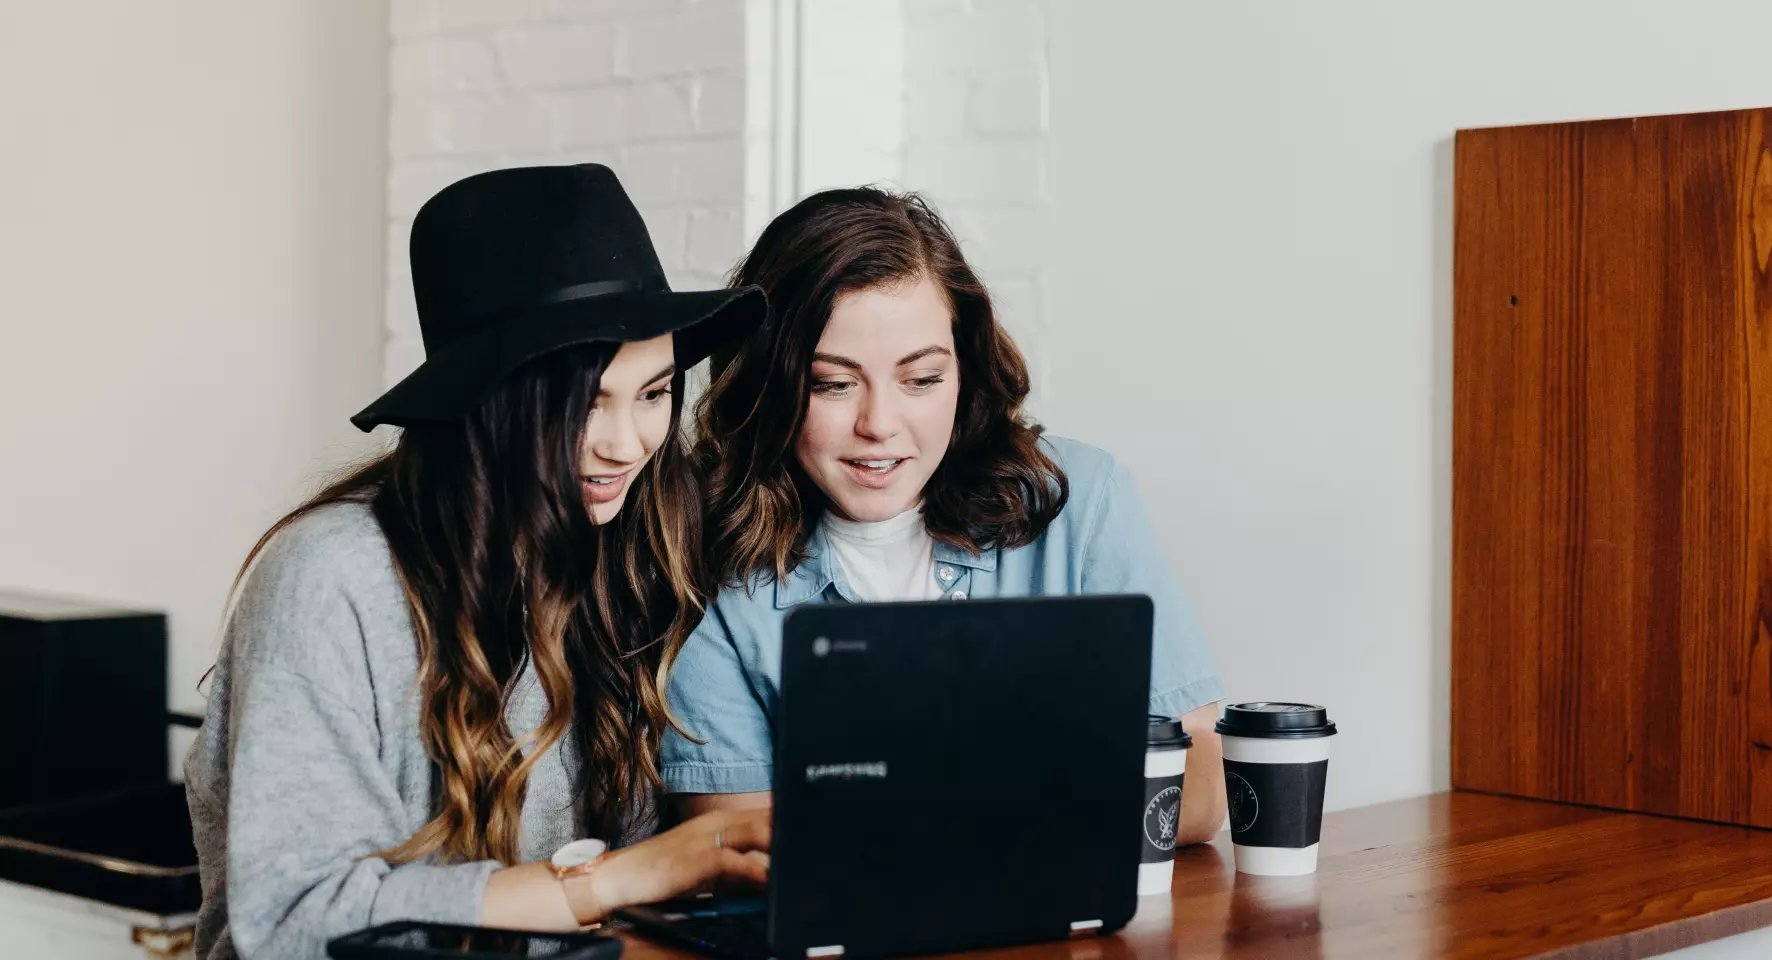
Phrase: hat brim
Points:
(451, 383)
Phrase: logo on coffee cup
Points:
(1245, 806)
(1160, 817)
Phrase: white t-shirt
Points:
(886, 560)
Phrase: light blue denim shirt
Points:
(726, 682)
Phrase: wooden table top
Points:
(1455, 875)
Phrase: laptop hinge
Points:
(812, 953)
(1082, 927)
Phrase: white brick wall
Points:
(852, 93)
(976, 143)
(946, 97)
(717, 114)
(654, 88)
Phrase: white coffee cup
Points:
(1165, 764)
(1276, 760)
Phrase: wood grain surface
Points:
(1454, 875)
(1612, 464)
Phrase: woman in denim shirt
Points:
(870, 446)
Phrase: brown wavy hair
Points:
(502, 566)
(995, 487)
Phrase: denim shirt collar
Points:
(820, 571)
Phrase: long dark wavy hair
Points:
(995, 487)
(502, 565)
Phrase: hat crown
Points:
(506, 240)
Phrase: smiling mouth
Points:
(602, 488)
(877, 466)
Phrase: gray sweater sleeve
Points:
(306, 798)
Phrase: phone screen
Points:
(469, 943)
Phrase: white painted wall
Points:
(851, 71)
(975, 144)
(1250, 302)
(656, 89)
(947, 98)
(719, 114)
(190, 240)
(1753, 945)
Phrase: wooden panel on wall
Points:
(1612, 464)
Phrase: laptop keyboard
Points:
(742, 936)
(737, 928)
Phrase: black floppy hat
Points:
(510, 265)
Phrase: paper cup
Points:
(1165, 764)
(1276, 764)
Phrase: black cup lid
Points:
(1165, 733)
(1276, 721)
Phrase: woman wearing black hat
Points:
(440, 691)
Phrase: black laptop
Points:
(948, 775)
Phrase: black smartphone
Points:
(410, 939)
